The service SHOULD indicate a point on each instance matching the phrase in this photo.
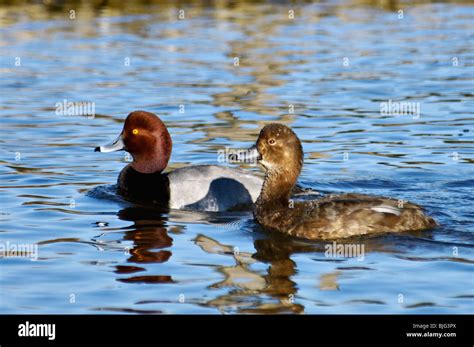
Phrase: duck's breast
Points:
(212, 188)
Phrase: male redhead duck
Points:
(200, 187)
(279, 152)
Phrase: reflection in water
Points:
(149, 236)
(244, 282)
(329, 281)
(247, 285)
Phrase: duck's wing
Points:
(213, 188)
(347, 215)
(299, 191)
(377, 201)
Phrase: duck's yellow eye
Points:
(135, 131)
(271, 141)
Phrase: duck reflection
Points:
(149, 237)
(246, 285)
(151, 242)
(250, 287)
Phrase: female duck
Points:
(336, 216)
(200, 187)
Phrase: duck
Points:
(199, 187)
(212, 188)
(279, 152)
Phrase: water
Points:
(100, 254)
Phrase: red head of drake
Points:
(146, 138)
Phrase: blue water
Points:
(100, 254)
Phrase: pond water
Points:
(216, 77)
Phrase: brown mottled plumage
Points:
(332, 217)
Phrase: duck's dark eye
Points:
(271, 142)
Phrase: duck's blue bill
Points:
(116, 145)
